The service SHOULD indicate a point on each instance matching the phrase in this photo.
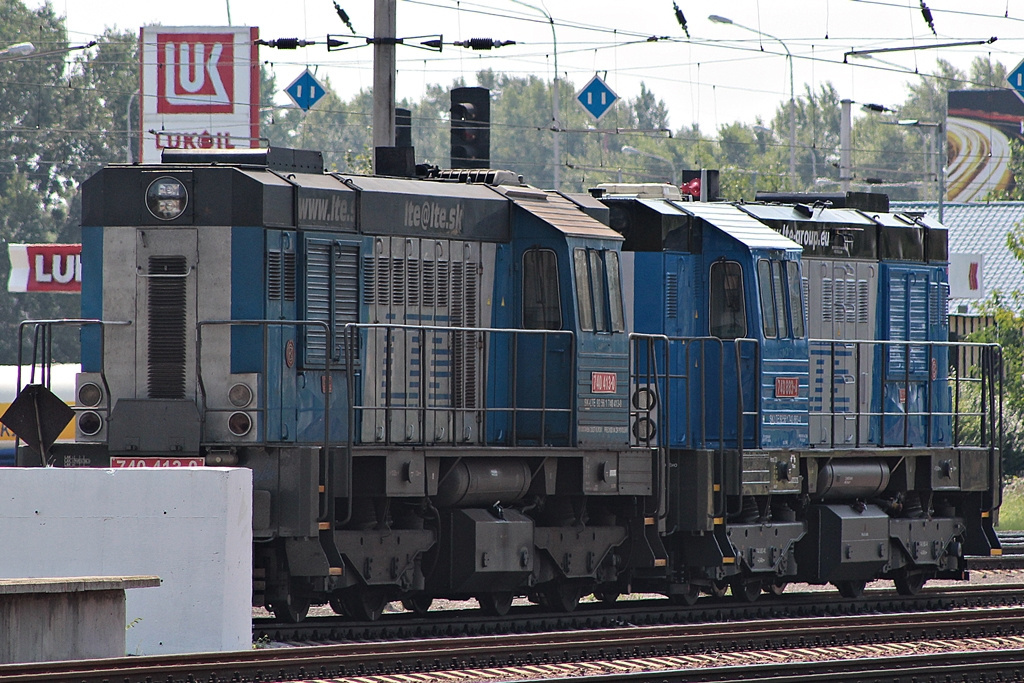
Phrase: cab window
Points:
(598, 290)
(727, 318)
(542, 309)
(782, 308)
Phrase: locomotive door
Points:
(843, 313)
(165, 294)
(542, 362)
(728, 379)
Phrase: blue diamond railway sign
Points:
(596, 97)
(305, 90)
(1016, 79)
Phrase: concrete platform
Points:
(61, 618)
(192, 527)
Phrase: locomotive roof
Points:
(559, 212)
(734, 222)
(819, 214)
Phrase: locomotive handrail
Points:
(44, 337)
(481, 407)
(910, 352)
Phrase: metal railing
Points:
(42, 357)
(909, 367)
(463, 395)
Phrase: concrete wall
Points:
(191, 527)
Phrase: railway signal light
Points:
(471, 128)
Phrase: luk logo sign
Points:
(195, 73)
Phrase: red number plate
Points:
(602, 382)
(787, 387)
(157, 462)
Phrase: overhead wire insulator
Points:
(927, 14)
(343, 15)
(681, 19)
(482, 43)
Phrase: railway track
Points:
(652, 612)
(680, 646)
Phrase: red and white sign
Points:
(787, 387)
(602, 382)
(966, 276)
(199, 90)
(45, 268)
(157, 462)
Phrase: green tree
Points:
(62, 115)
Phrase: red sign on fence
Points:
(45, 268)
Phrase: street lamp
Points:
(554, 96)
(17, 51)
(792, 97)
(627, 149)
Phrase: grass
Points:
(1011, 512)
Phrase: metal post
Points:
(941, 161)
(845, 125)
(384, 32)
(555, 97)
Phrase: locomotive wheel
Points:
(851, 589)
(716, 589)
(910, 583)
(495, 604)
(776, 587)
(688, 596)
(563, 597)
(607, 595)
(337, 603)
(746, 590)
(292, 608)
(365, 603)
(418, 604)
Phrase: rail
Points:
(432, 384)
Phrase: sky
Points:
(721, 74)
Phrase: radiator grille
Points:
(167, 335)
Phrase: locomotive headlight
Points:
(240, 395)
(89, 394)
(166, 198)
(239, 424)
(644, 399)
(644, 429)
(90, 423)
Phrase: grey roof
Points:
(980, 228)
(738, 224)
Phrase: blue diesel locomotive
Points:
(463, 386)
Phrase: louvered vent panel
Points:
(414, 282)
(346, 295)
(369, 281)
(429, 284)
(167, 333)
(463, 314)
(672, 294)
(318, 299)
(839, 300)
(383, 280)
(274, 275)
(919, 305)
(862, 301)
(897, 323)
(852, 301)
(443, 282)
(398, 282)
(826, 299)
(289, 276)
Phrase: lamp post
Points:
(937, 154)
(792, 95)
(673, 179)
(556, 155)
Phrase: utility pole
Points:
(384, 34)
(845, 125)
